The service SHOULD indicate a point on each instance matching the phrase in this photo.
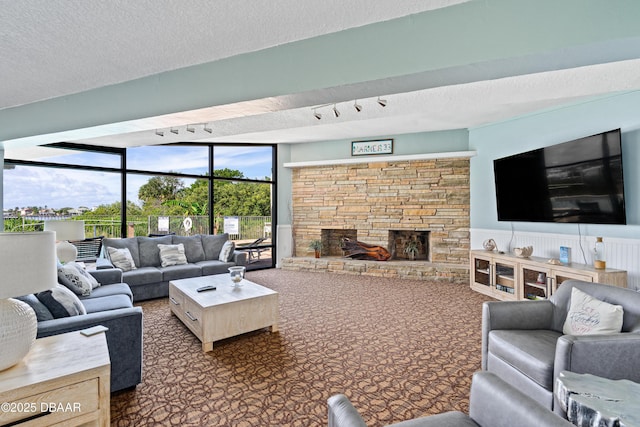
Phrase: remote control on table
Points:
(94, 330)
(206, 288)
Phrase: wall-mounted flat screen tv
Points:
(579, 181)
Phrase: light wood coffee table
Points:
(226, 312)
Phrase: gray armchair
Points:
(523, 342)
(493, 403)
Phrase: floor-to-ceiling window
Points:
(182, 189)
(64, 182)
(243, 197)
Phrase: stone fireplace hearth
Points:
(385, 204)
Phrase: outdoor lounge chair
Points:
(253, 250)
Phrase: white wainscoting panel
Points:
(623, 254)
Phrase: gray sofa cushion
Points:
(212, 244)
(111, 289)
(214, 267)
(183, 271)
(193, 248)
(529, 351)
(149, 252)
(130, 243)
(142, 276)
(111, 302)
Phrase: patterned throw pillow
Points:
(121, 258)
(589, 316)
(61, 302)
(172, 255)
(69, 276)
(226, 253)
(82, 271)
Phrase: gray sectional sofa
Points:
(150, 279)
(110, 305)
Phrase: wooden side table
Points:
(64, 380)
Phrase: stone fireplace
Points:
(385, 204)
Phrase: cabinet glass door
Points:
(562, 276)
(505, 278)
(535, 283)
(482, 272)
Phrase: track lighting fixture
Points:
(358, 107)
(174, 131)
(159, 133)
(191, 129)
(208, 129)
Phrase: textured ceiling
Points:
(57, 48)
(51, 48)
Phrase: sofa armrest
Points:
(102, 263)
(613, 356)
(513, 315)
(495, 403)
(240, 257)
(342, 413)
(107, 276)
(124, 339)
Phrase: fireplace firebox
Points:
(400, 240)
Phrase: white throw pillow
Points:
(226, 253)
(589, 316)
(172, 255)
(121, 258)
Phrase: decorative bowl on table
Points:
(236, 274)
(524, 252)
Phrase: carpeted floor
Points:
(398, 348)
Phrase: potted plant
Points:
(411, 248)
(316, 245)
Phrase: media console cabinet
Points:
(508, 277)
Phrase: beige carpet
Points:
(398, 348)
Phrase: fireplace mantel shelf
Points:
(375, 159)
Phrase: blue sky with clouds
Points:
(58, 188)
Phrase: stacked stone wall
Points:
(374, 198)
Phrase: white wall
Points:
(548, 128)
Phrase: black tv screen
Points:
(578, 181)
